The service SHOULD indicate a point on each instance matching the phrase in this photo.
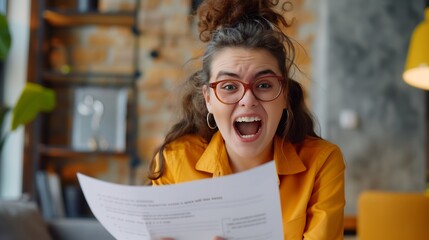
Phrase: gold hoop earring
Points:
(289, 118)
(208, 121)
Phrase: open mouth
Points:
(247, 127)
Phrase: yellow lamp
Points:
(417, 66)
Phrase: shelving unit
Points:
(64, 19)
(49, 144)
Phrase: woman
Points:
(242, 109)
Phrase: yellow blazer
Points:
(311, 180)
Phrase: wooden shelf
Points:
(102, 79)
(67, 19)
(66, 152)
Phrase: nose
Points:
(249, 99)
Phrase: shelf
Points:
(74, 18)
(92, 79)
(66, 152)
(57, 25)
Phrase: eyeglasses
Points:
(266, 88)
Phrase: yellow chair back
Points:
(393, 216)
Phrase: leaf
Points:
(34, 99)
(5, 38)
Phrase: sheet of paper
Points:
(242, 206)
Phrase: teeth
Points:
(248, 119)
(247, 136)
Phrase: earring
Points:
(208, 121)
(289, 117)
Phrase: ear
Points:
(206, 93)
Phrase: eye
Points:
(228, 86)
(264, 85)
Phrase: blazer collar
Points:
(215, 158)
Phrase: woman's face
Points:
(248, 126)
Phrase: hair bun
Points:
(214, 14)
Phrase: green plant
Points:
(34, 98)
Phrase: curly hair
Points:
(214, 14)
(250, 24)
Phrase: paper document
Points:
(241, 206)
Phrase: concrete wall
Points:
(360, 55)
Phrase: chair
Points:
(392, 215)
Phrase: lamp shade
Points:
(417, 66)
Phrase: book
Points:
(50, 195)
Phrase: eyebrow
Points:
(258, 74)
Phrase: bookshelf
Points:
(70, 136)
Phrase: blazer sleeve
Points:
(325, 211)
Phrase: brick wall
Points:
(168, 40)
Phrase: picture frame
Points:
(99, 119)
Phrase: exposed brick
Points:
(122, 56)
(150, 5)
(161, 74)
(150, 41)
(88, 55)
(155, 127)
(151, 80)
(99, 39)
(177, 25)
(147, 146)
(171, 7)
(151, 23)
(115, 5)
